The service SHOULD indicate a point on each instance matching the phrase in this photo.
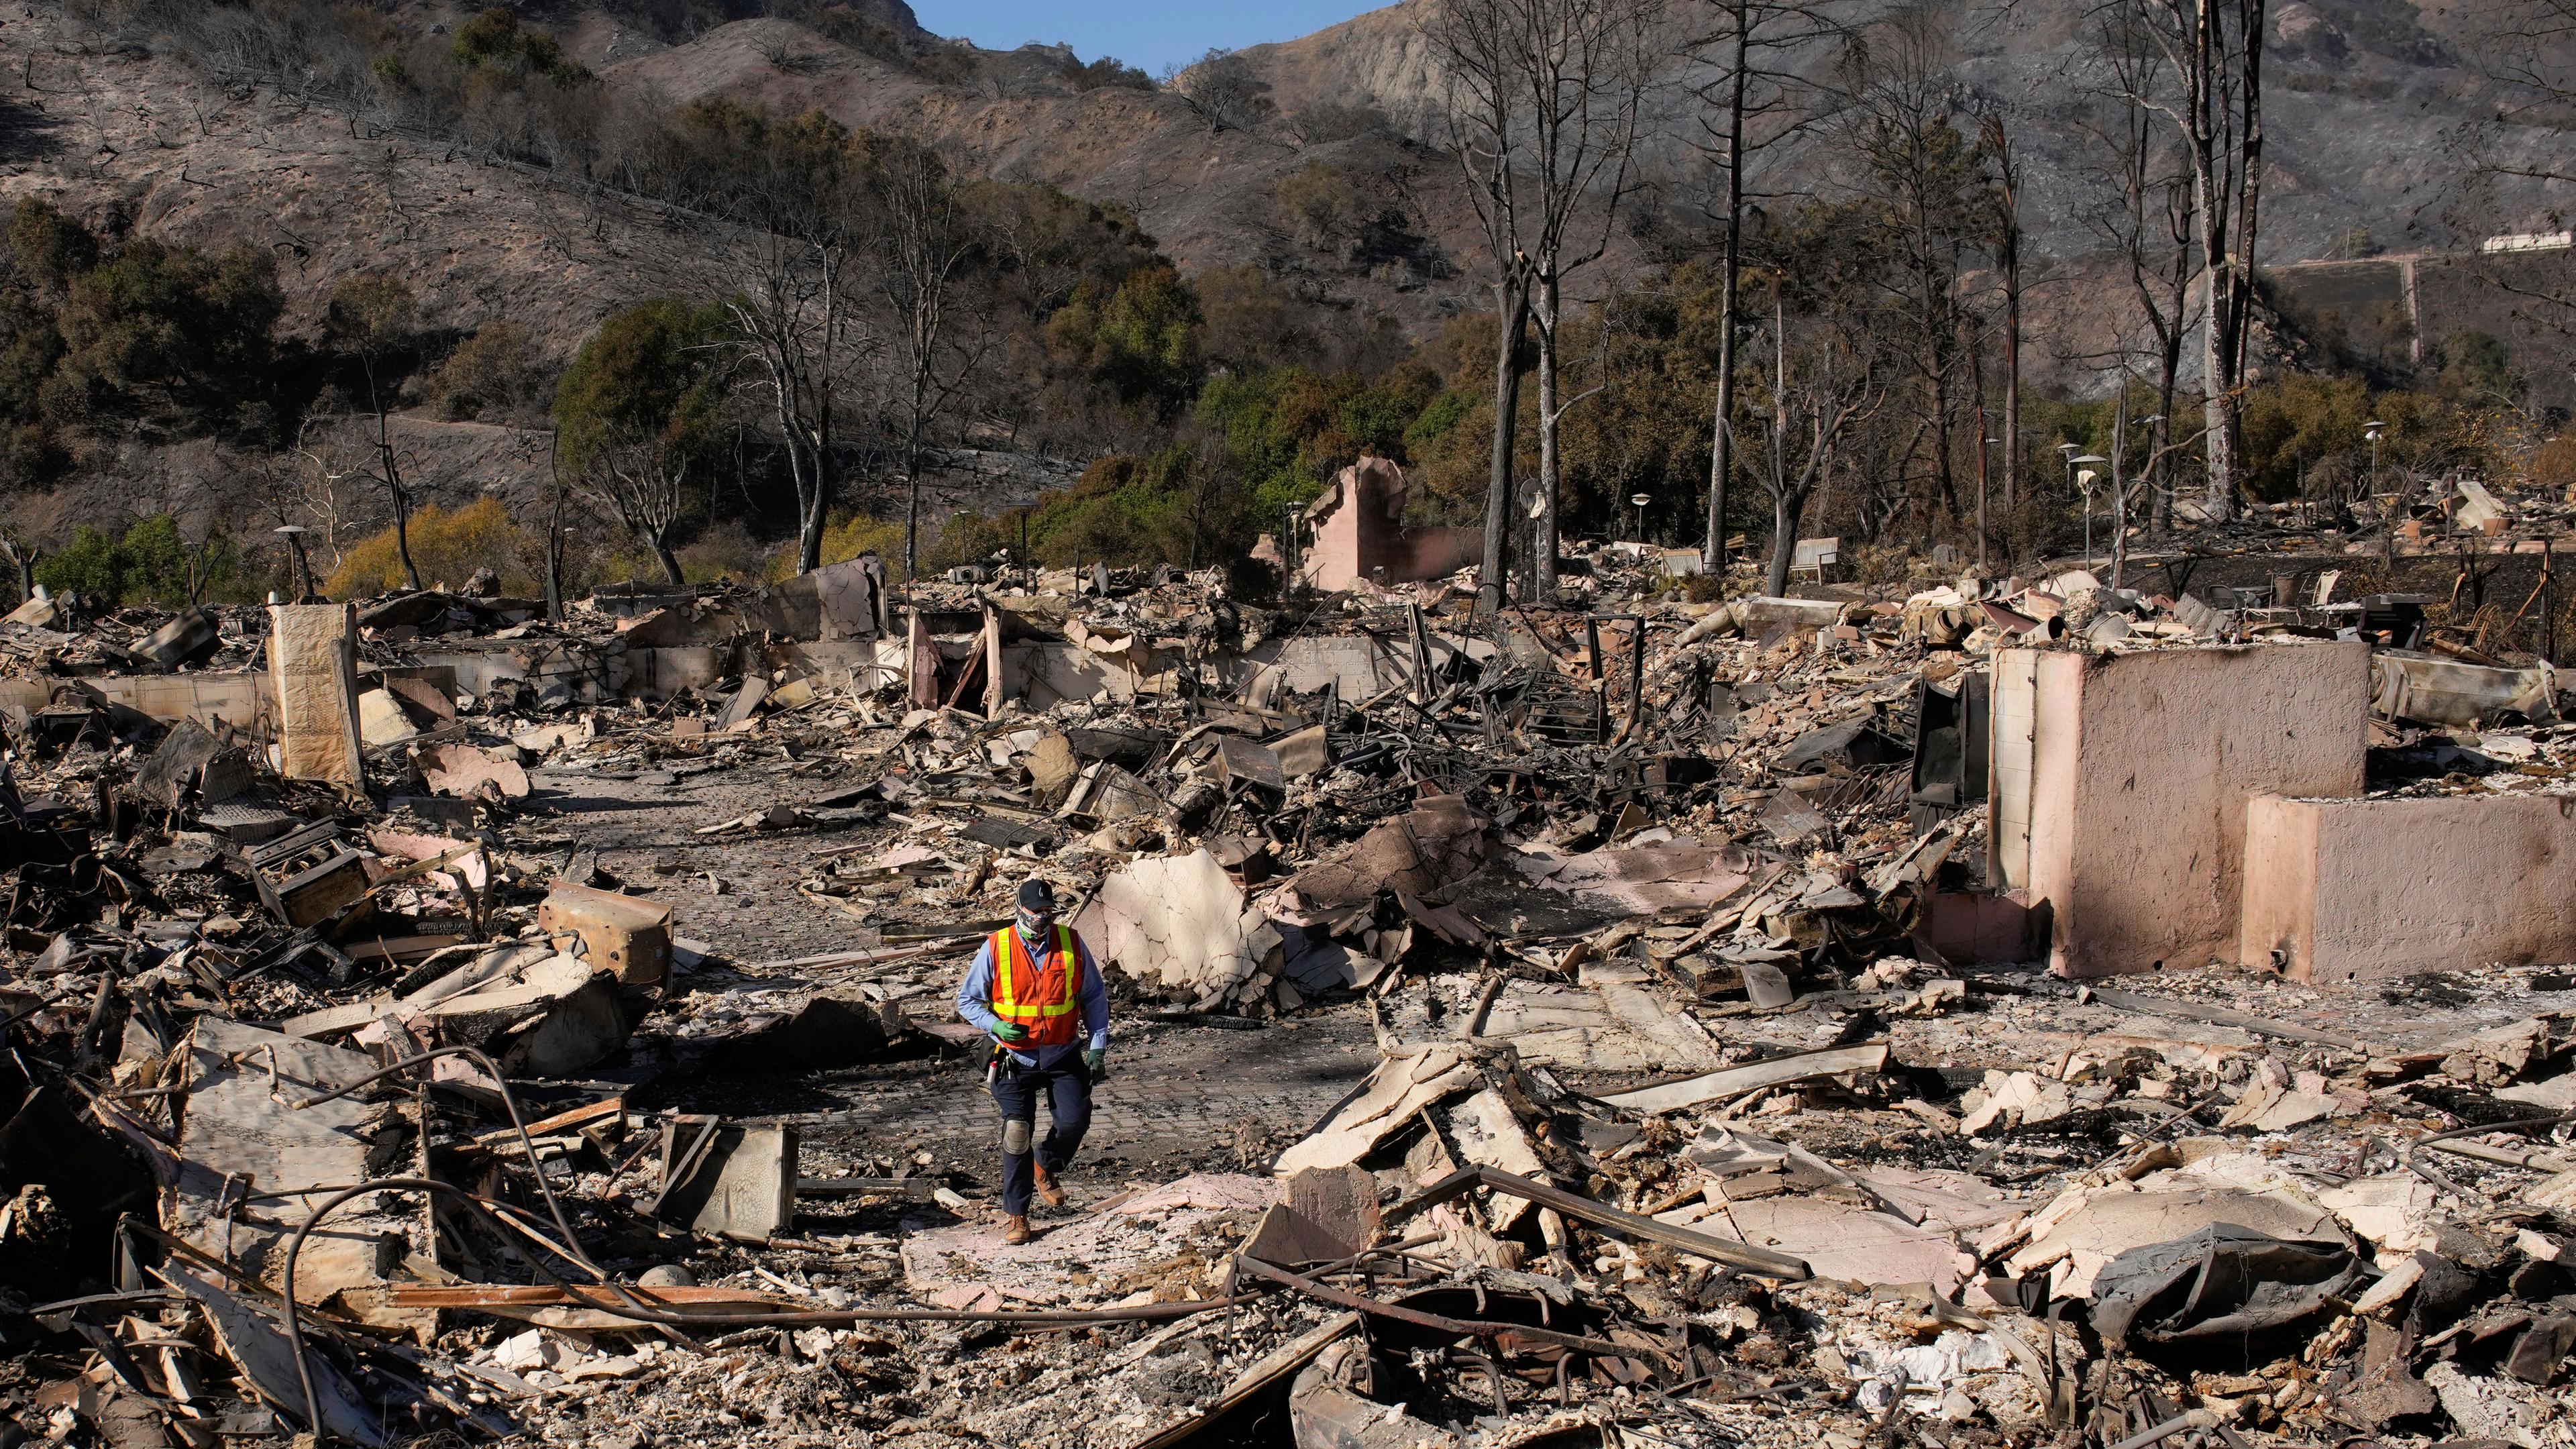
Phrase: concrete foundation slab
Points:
(2370, 890)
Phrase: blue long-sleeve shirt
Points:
(975, 994)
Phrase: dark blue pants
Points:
(1060, 1079)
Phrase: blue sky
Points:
(1150, 34)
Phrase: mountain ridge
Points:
(2375, 99)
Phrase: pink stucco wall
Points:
(1359, 533)
(2141, 768)
(2357, 891)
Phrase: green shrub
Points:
(1106, 73)
(150, 564)
(494, 40)
(845, 537)
(1321, 203)
(449, 545)
(168, 325)
(1140, 338)
(90, 567)
(494, 373)
(1130, 511)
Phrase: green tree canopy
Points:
(49, 248)
(166, 323)
(636, 415)
(651, 372)
(150, 563)
(1140, 339)
(371, 314)
(496, 41)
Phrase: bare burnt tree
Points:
(2213, 50)
(1544, 99)
(1754, 102)
(937, 332)
(1474, 43)
(798, 333)
(1933, 203)
(550, 545)
(793, 281)
(2149, 222)
(1997, 139)
(374, 318)
(1223, 88)
(1836, 379)
(306, 487)
(644, 481)
(1835, 364)
(1583, 65)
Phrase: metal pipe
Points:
(518, 1124)
(2415, 1163)
(1602, 1215)
(1438, 1323)
(1474, 1025)
(2195, 1419)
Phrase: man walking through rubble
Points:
(1023, 991)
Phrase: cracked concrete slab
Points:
(1179, 922)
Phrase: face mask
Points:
(1035, 926)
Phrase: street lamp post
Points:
(2084, 484)
(2372, 432)
(1982, 445)
(293, 533)
(2067, 452)
(1641, 500)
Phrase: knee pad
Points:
(1016, 1136)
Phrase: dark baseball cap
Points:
(1037, 897)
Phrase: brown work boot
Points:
(1015, 1231)
(1048, 1192)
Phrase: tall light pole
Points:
(1983, 444)
(2067, 451)
(2084, 484)
(300, 570)
(1641, 500)
(2371, 433)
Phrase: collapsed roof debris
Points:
(1699, 1011)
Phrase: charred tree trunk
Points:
(1721, 445)
(1540, 586)
(1512, 317)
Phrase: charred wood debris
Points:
(1683, 1130)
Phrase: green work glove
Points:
(1095, 1063)
(1010, 1033)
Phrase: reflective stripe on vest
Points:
(1040, 997)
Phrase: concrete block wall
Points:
(2135, 772)
(244, 699)
(2357, 891)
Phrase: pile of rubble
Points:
(1729, 1082)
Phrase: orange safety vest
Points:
(1039, 996)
